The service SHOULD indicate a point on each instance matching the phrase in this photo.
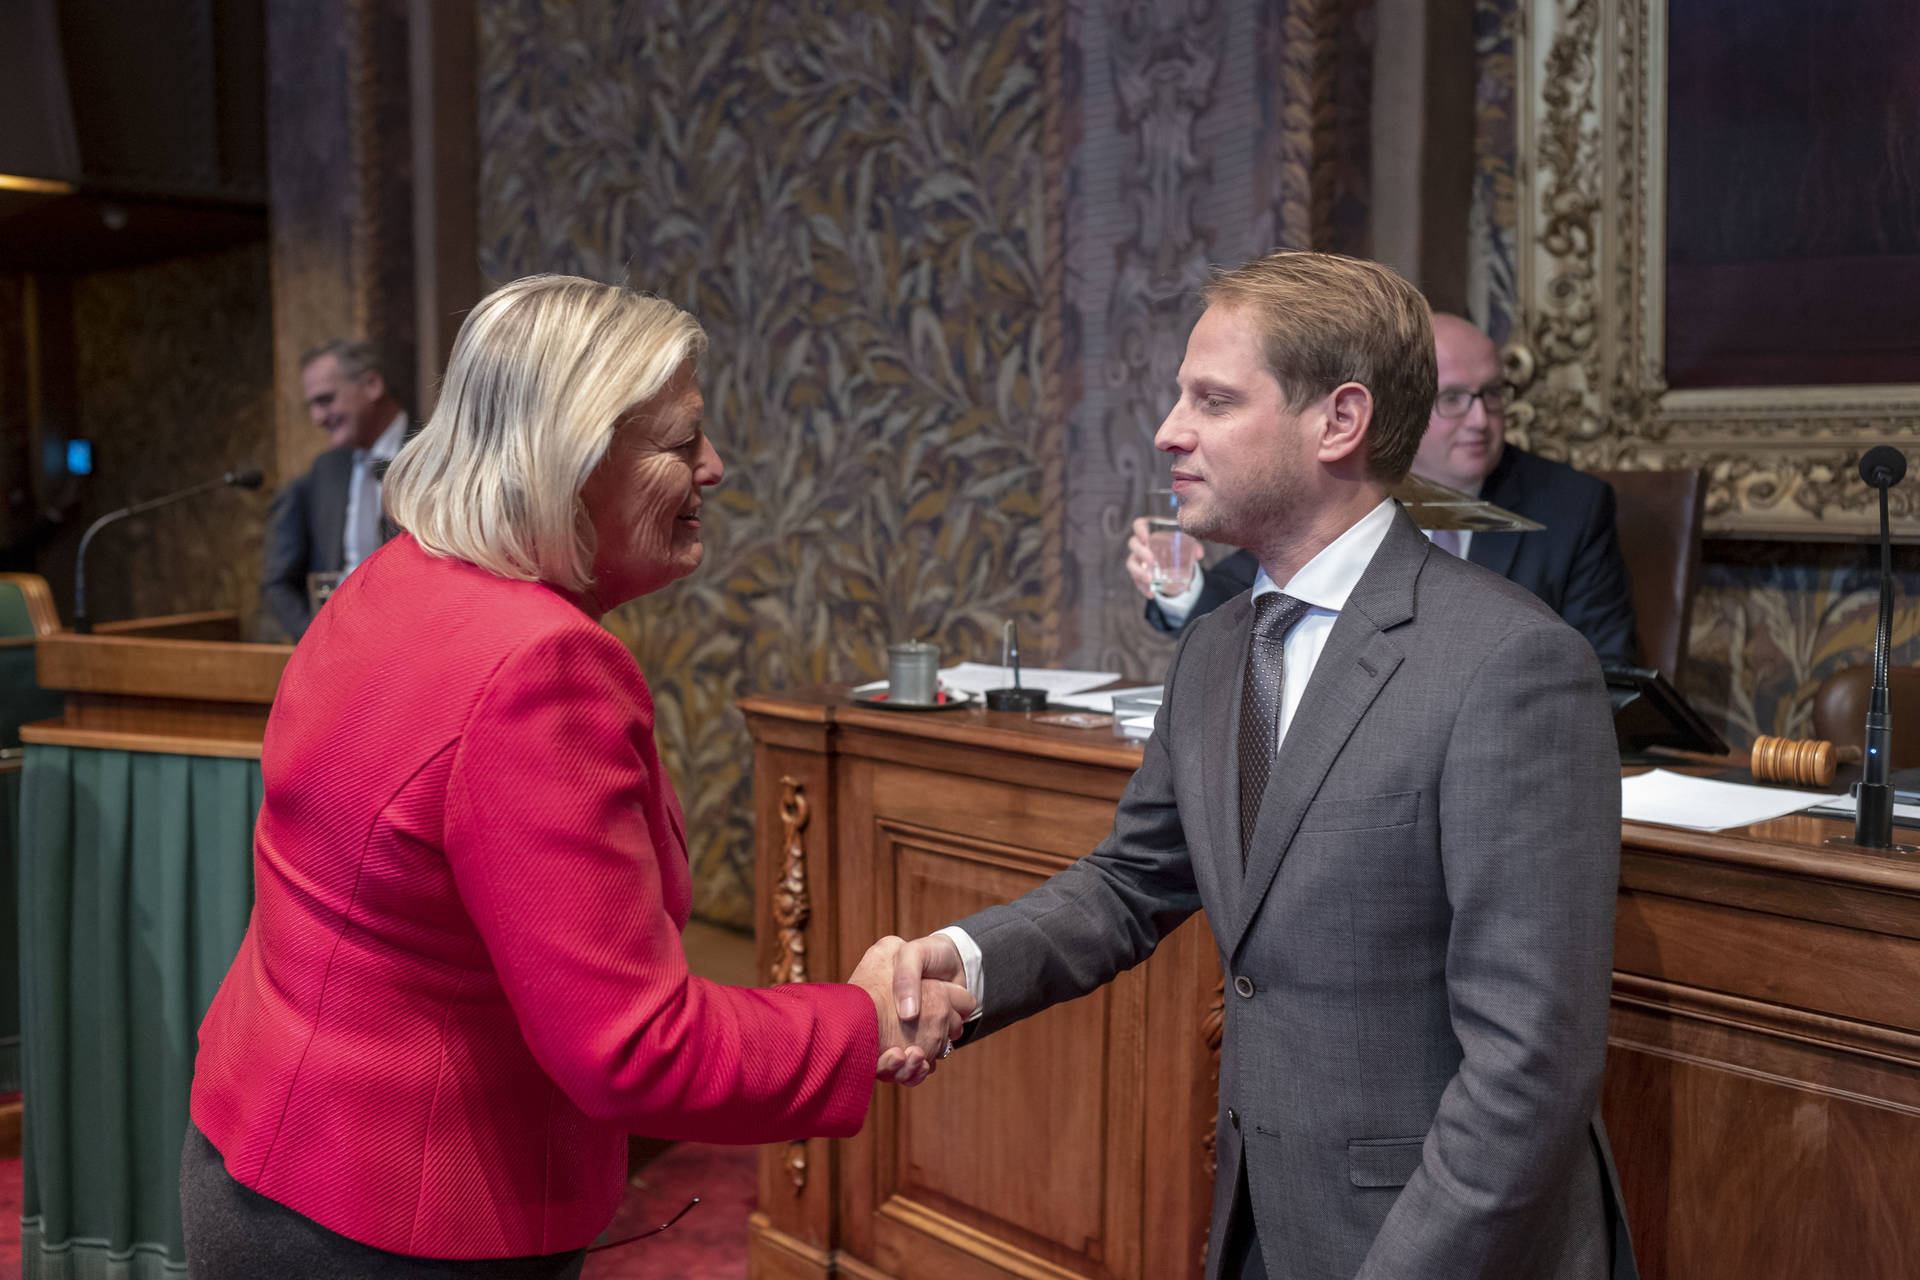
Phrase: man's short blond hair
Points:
(1326, 319)
(540, 374)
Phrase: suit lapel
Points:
(1358, 660)
(332, 473)
(1222, 699)
(1495, 552)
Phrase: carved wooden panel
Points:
(1071, 1114)
(1763, 1076)
(1746, 1154)
(793, 808)
(1032, 1152)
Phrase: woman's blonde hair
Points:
(542, 371)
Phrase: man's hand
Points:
(910, 1042)
(1140, 558)
(933, 957)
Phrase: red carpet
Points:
(10, 1216)
(710, 1243)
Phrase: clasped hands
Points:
(920, 996)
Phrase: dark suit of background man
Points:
(1392, 785)
(1574, 564)
(329, 519)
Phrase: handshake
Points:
(920, 996)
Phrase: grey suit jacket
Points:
(1418, 953)
(306, 528)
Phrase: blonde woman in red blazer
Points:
(463, 983)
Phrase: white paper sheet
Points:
(978, 677)
(1676, 800)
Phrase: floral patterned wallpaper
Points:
(1772, 620)
(855, 199)
(1492, 217)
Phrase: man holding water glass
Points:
(1573, 564)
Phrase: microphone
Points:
(1882, 468)
(244, 476)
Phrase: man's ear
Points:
(1349, 414)
(375, 384)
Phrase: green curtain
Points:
(9, 929)
(22, 701)
(136, 880)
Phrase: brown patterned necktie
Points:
(1273, 616)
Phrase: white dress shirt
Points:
(361, 537)
(1324, 582)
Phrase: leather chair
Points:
(1660, 517)
(26, 614)
(1840, 710)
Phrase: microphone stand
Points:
(1882, 467)
(244, 477)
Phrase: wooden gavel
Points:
(1802, 762)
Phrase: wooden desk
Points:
(1763, 1088)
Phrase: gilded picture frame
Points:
(1588, 342)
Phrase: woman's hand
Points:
(909, 1048)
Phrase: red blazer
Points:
(463, 984)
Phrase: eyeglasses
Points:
(642, 1235)
(1456, 403)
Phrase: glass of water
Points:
(1174, 553)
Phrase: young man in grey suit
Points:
(1392, 785)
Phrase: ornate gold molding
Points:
(791, 910)
(791, 907)
(1591, 265)
(1213, 1028)
(796, 1164)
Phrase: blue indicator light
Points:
(80, 457)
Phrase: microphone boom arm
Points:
(243, 477)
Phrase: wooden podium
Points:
(182, 685)
(1763, 1074)
(137, 812)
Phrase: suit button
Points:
(1233, 1117)
(1243, 987)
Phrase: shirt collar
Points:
(1328, 579)
(387, 447)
